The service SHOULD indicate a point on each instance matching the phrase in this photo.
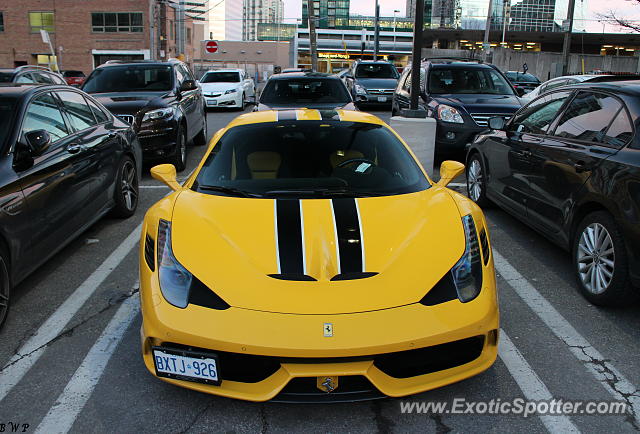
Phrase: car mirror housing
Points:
(449, 170)
(520, 91)
(166, 173)
(188, 85)
(497, 123)
(38, 141)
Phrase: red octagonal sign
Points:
(211, 46)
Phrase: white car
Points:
(227, 88)
(566, 80)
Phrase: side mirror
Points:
(497, 123)
(520, 91)
(188, 85)
(38, 141)
(166, 173)
(348, 76)
(449, 170)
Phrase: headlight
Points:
(157, 114)
(230, 91)
(447, 113)
(360, 90)
(467, 273)
(175, 280)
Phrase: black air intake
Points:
(149, 253)
(486, 252)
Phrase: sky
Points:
(629, 9)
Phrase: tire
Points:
(243, 104)
(600, 261)
(5, 286)
(126, 191)
(179, 159)
(476, 181)
(201, 138)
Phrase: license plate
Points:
(186, 365)
(382, 99)
(212, 102)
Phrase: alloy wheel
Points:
(129, 185)
(596, 258)
(475, 180)
(4, 290)
(183, 148)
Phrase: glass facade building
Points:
(329, 14)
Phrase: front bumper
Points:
(158, 139)
(369, 99)
(396, 352)
(229, 100)
(463, 135)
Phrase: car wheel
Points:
(476, 181)
(126, 194)
(600, 261)
(243, 103)
(201, 138)
(5, 286)
(179, 159)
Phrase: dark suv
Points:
(162, 101)
(461, 95)
(372, 82)
(30, 74)
(568, 165)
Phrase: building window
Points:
(120, 22)
(41, 21)
(1, 21)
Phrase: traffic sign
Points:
(211, 46)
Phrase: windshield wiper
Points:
(228, 190)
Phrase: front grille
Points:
(213, 95)
(350, 388)
(380, 91)
(482, 119)
(149, 253)
(127, 118)
(485, 246)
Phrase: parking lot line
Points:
(531, 385)
(31, 351)
(603, 371)
(71, 401)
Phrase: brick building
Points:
(87, 33)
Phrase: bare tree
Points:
(612, 17)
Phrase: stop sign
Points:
(211, 46)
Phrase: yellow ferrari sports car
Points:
(310, 258)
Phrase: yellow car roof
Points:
(304, 114)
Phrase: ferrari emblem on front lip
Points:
(327, 329)
(327, 384)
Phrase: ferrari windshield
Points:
(310, 159)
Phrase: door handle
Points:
(581, 166)
(526, 153)
(75, 148)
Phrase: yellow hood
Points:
(230, 244)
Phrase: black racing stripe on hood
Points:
(289, 233)
(287, 115)
(348, 233)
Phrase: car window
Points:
(220, 77)
(422, 79)
(537, 116)
(179, 75)
(57, 79)
(130, 78)
(312, 159)
(468, 81)
(80, 115)
(42, 78)
(43, 113)
(100, 115)
(301, 90)
(186, 72)
(376, 70)
(620, 131)
(588, 117)
(552, 84)
(25, 78)
(7, 113)
(406, 82)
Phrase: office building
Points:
(329, 14)
(225, 20)
(260, 11)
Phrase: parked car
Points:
(30, 74)
(162, 101)
(66, 162)
(568, 165)
(310, 258)
(371, 82)
(74, 78)
(523, 80)
(461, 95)
(574, 79)
(227, 88)
(304, 89)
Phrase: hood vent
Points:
(149, 254)
(485, 246)
(353, 276)
(292, 276)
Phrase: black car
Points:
(162, 101)
(66, 163)
(304, 89)
(523, 80)
(461, 96)
(30, 74)
(568, 165)
(372, 83)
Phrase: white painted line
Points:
(153, 186)
(603, 371)
(75, 395)
(31, 351)
(457, 185)
(532, 387)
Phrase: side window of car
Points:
(25, 78)
(43, 113)
(553, 85)
(100, 115)
(80, 115)
(588, 117)
(57, 79)
(186, 72)
(179, 75)
(536, 117)
(42, 78)
(620, 131)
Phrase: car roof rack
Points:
(448, 59)
(43, 68)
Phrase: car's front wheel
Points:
(201, 138)
(179, 159)
(476, 181)
(243, 102)
(600, 261)
(126, 192)
(5, 286)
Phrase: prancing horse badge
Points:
(327, 329)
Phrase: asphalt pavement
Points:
(70, 349)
